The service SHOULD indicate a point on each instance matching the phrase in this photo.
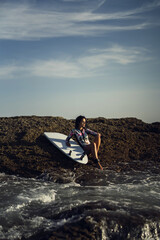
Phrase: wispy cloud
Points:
(9, 71)
(57, 69)
(116, 54)
(93, 63)
(26, 22)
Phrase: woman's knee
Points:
(99, 135)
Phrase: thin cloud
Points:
(8, 71)
(25, 22)
(100, 58)
(57, 69)
(94, 62)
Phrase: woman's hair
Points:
(78, 120)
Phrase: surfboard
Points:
(74, 152)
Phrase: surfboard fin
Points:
(82, 155)
(70, 152)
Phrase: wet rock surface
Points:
(25, 151)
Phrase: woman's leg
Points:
(94, 150)
(97, 141)
(91, 149)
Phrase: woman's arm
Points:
(88, 131)
(69, 137)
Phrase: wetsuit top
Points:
(81, 136)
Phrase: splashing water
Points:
(28, 206)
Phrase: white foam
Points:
(2, 174)
(15, 207)
(71, 184)
(24, 199)
(1, 232)
(38, 196)
(13, 233)
(46, 198)
(30, 226)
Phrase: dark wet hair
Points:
(78, 120)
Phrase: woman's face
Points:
(82, 123)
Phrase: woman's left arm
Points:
(88, 131)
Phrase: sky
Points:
(98, 58)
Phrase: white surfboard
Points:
(74, 151)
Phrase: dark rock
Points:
(26, 152)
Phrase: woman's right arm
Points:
(69, 137)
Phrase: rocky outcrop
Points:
(25, 151)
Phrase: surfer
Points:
(81, 134)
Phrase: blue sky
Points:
(71, 57)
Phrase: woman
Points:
(81, 134)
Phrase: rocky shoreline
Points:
(127, 144)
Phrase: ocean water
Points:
(121, 205)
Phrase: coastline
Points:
(127, 144)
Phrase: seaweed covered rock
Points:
(25, 151)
